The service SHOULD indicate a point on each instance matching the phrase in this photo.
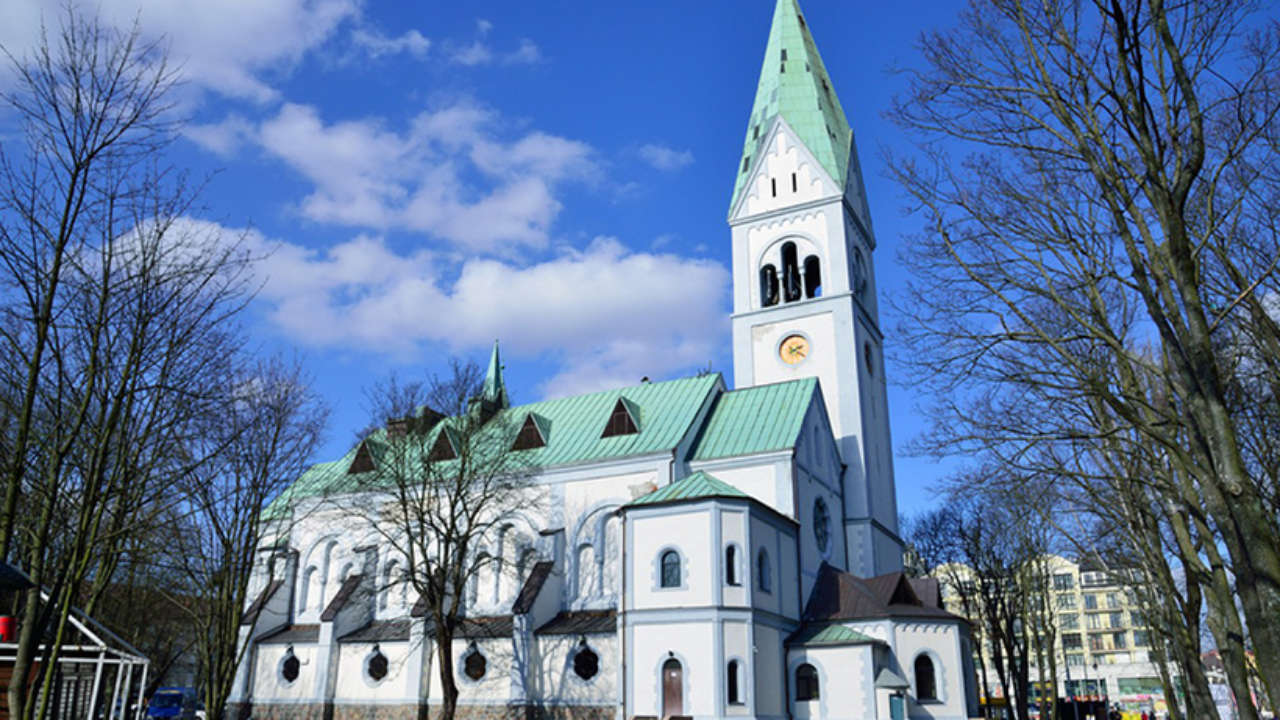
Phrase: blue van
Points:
(173, 702)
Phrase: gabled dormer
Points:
(534, 432)
(623, 420)
(445, 446)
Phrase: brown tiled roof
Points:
(340, 599)
(581, 622)
(251, 614)
(494, 626)
(839, 595)
(294, 634)
(380, 631)
(532, 586)
(928, 590)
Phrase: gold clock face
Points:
(793, 350)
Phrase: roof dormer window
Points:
(443, 448)
(622, 420)
(530, 436)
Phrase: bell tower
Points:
(804, 297)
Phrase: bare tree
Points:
(445, 480)
(115, 326)
(1113, 220)
(257, 443)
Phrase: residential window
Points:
(1071, 641)
(1064, 581)
(1117, 620)
(1137, 618)
(1119, 641)
(1066, 602)
(1096, 643)
(1141, 638)
(1069, 622)
(670, 569)
(1113, 600)
(1094, 622)
(806, 683)
(1090, 602)
(926, 682)
(1075, 660)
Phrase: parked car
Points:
(173, 702)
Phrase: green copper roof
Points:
(831, 634)
(695, 486)
(758, 419)
(494, 389)
(664, 412)
(799, 90)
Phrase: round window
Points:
(585, 662)
(821, 524)
(474, 665)
(377, 665)
(290, 668)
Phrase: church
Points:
(702, 552)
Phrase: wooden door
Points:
(672, 688)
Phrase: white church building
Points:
(702, 551)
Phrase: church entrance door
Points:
(672, 688)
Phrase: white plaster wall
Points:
(784, 156)
(556, 682)
(267, 682)
(783, 597)
(845, 682)
(941, 642)
(766, 481)
(354, 685)
(736, 640)
(733, 531)
(690, 534)
(823, 361)
(768, 698)
(496, 685)
(693, 644)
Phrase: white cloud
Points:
(377, 45)
(226, 46)
(608, 315)
(665, 158)
(222, 138)
(480, 52)
(450, 174)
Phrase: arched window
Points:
(790, 273)
(806, 683)
(764, 573)
(731, 565)
(926, 681)
(734, 683)
(768, 285)
(670, 563)
(812, 277)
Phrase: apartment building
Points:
(1102, 643)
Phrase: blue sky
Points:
(431, 176)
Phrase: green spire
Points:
(794, 85)
(494, 389)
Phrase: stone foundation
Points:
(531, 712)
(375, 712)
(290, 711)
